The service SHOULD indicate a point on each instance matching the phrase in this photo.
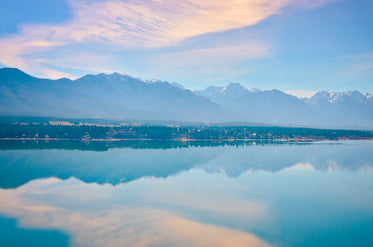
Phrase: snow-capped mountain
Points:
(120, 96)
(338, 97)
(223, 95)
(325, 109)
(346, 106)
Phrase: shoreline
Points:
(185, 139)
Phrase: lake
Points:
(186, 194)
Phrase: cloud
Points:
(210, 62)
(164, 22)
(135, 24)
(93, 215)
(301, 93)
(359, 63)
(216, 55)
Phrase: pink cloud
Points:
(135, 24)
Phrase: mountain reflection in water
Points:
(128, 161)
(315, 194)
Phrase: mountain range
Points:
(119, 96)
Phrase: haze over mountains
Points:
(120, 96)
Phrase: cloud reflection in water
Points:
(95, 215)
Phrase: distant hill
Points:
(119, 96)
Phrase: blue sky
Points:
(291, 45)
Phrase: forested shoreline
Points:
(181, 133)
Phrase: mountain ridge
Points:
(119, 96)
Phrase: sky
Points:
(298, 46)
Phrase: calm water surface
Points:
(305, 194)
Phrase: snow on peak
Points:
(175, 84)
(120, 73)
(234, 90)
(153, 81)
(336, 97)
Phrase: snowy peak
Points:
(120, 74)
(339, 97)
(177, 85)
(104, 78)
(209, 92)
(221, 94)
(229, 92)
(153, 81)
(234, 90)
(357, 96)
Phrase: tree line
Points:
(83, 132)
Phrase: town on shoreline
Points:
(42, 128)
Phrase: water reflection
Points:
(280, 195)
(127, 164)
(144, 215)
(102, 146)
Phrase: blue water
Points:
(289, 194)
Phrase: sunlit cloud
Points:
(162, 22)
(136, 24)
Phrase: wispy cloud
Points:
(218, 54)
(214, 63)
(358, 63)
(135, 24)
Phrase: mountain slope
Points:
(350, 109)
(351, 106)
(222, 95)
(115, 96)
